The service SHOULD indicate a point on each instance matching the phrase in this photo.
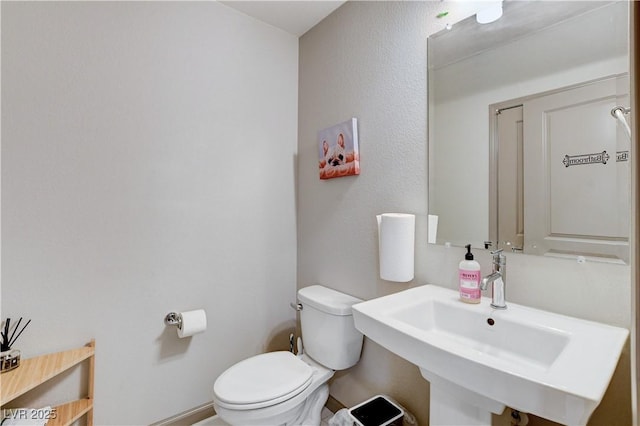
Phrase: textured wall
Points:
(368, 60)
(140, 175)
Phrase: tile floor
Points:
(216, 421)
(326, 415)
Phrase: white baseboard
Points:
(206, 411)
(188, 417)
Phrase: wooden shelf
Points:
(33, 372)
(68, 413)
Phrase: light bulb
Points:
(491, 13)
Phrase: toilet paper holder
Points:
(173, 318)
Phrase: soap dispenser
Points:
(469, 278)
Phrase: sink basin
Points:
(538, 362)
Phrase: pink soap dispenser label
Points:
(469, 285)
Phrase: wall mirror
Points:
(524, 149)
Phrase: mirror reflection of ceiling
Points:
(468, 38)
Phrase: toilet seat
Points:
(262, 380)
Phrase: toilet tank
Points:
(328, 332)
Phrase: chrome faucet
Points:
(499, 279)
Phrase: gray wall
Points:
(147, 167)
(368, 60)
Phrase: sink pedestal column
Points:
(450, 404)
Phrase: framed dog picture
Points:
(338, 150)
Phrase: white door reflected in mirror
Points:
(562, 173)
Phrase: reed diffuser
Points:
(10, 358)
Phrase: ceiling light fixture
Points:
(492, 12)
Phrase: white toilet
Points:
(280, 388)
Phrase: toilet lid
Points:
(263, 378)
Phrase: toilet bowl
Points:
(275, 388)
(280, 388)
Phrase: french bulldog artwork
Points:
(338, 150)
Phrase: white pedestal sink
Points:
(479, 360)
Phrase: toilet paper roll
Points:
(193, 322)
(396, 240)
